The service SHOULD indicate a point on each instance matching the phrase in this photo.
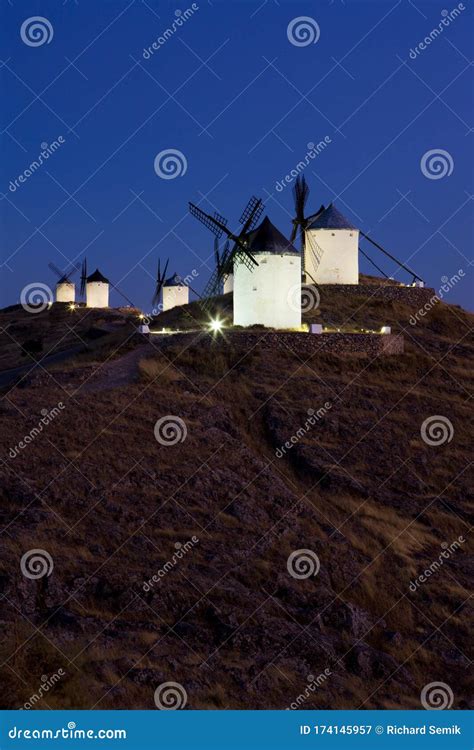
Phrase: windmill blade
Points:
(160, 280)
(300, 195)
(83, 276)
(220, 219)
(217, 256)
(156, 293)
(53, 267)
(251, 213)
(212, 289)
(226, 265)
(239, 252)
(216, 226)
(64, 276)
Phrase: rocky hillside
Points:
(250, 524)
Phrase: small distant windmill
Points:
(239, 253)
(160, 280)
(65, 288)
(95, 288)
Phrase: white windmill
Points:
(175, 292)
(65, 288)
(268, 294)
(331, 248)
(266, 270)
(97, 290)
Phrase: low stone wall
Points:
(306, 344)
(409, 295)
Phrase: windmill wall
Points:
(65, 292)
(229, 284)
(270, 294)
(173, 296)
(332, 256)
(97, 294)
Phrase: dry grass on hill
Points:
(360, 488)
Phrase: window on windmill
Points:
(254, 289)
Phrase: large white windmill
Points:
(268, 294)
(266, 270)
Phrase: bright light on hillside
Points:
(216, 325)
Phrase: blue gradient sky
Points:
(241, 103)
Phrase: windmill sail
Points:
(239, 253)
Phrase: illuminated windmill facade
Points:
(266, 270)
(269, 293)
(65, 288)
(97, 290)
(175, 292)
(331, 248)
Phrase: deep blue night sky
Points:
(241, 102)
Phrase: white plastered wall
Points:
(270, 294)
(173, 296)
(97, 294)
(338, 253)
(65, 292)
(229, 283)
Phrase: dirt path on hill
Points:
(118, 373)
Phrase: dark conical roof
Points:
(97, 276)
(329, 218)
(266, 238)
(174, 280)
